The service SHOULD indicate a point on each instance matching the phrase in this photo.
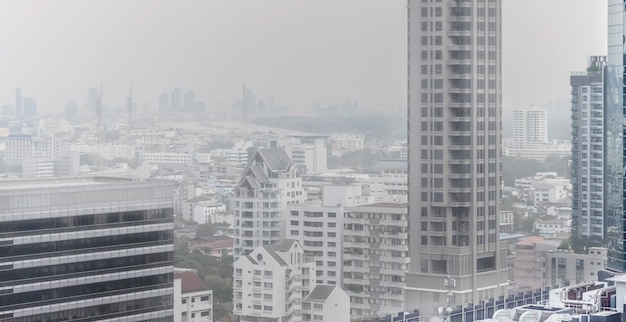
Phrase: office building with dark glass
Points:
(86, 249)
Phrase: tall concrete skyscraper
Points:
(455, 117)
(614, 113)
(588, 150)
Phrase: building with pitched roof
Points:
(193, 302)
(271, 282)
(268, 184)
(326, 303)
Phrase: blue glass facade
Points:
(614, 132)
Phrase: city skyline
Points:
(218, 45)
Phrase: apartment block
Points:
(530, 127)
(268, 184)
(271, 282)
(588, 147)
(375, 258)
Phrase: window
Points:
(205, 313)
(256, 307)
(267, 273)
(205, 299)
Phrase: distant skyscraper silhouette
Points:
(30, 108)
(454, 108)
(176, 100)
(18, 102)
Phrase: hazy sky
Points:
(294, 50)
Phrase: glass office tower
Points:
(614, 132)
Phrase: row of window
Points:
(83, 220)
(106, 311)
(59, 271)
(54, 247)
(59, 295)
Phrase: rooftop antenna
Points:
(245, 112)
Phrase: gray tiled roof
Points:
(320, 292)
(276, 158)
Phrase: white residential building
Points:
(271, 283)
(193, 302)
(268, 184)
(207, 211)
(318, 228)
(530, 127)
(22, 146)
(389, 181)
(167, 157)
(109, 151)
(553, 227)
(346, 142)
(237, 156)
(308, 152)
(375, 258)
(326, 303)
(51, 126)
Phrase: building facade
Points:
(455, 119)
(82, 247)
(268, 184)
(530, 128)
(193, 302)
(375, 258)
(271, 283)
(564, 267)
(326, 303)
(614, 113)
(588, 150)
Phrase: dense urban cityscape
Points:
(448, 209)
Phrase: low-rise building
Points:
(565, 267)
(326, 303)
(193, 302)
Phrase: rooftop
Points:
(320, 292)
(60, 182)
(386, 205)
(190, 282)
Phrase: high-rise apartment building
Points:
(454, 108)
(80, 248)
(588, 150)
(268, 184)
(375, 261)
(614, 113)
(530, 127)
